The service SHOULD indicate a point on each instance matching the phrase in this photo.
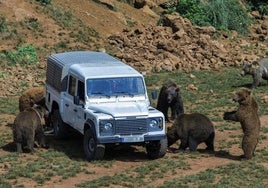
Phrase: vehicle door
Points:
(79, 118)
(68, 101)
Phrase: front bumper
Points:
(131, 139)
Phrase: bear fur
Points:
(28, 128)
(192, 129)
(32, 96)
(169, 97)
(258, 70)
(247, 115)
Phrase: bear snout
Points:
(169, 101)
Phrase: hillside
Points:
(128, 33)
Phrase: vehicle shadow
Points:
(73, 148)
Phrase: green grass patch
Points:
(9, 105)
(23, 55)
(215, 89)
(139, 176)
(244, 174)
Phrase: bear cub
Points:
(28, 128)
(258, 70)
(247, 115)
(169, 97)
(192, 129)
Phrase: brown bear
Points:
(192, 129)
(247, 115)
(169, 97)
(32, 96)
(258, 70)
(28, 128)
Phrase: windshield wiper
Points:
(124, 92)
(101, 94)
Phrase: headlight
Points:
(155, 124)
(106, 128)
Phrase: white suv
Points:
(103, 99)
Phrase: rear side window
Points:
(71, 89)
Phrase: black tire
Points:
(60, 128)
(156, 149)
(93, 151)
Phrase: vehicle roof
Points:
(93, 64)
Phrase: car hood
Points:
(121, 109)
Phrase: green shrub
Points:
(23, 55)
(259, 5)
(3, 25)
(44, 2)
(228, 15)
(223, 15)
(31, 23)
(194, 11)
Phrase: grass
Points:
(9, 105)
(139, 176)
(215, 89)
(65, 158)
(244, 174)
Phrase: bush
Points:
(224, 15)
(194, 11)
(228, 15)
(259, 5)
(44, 2)
(3, 25)
(23, 55)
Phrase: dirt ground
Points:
(130, 158)
(106, 22)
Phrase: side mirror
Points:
(154, 94)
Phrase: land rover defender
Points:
(103, 99)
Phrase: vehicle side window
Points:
(81, 90)
(71, 89)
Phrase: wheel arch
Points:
(55, 106)
(89, 124)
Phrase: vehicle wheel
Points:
(60, 128)
(156, 149)
(93, 151)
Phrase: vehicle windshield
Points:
(115, 87)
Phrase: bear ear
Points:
(247, 63)
(178, 89)
(255, 63)
(247, 91)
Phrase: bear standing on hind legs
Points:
(247, 115)
(169, 97)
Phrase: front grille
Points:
(131, 127)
